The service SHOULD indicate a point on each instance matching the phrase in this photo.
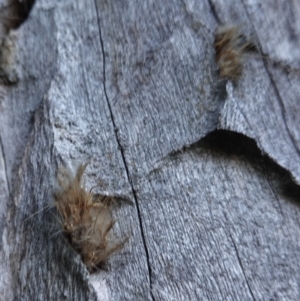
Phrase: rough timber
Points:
(213, 168)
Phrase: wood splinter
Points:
(86, 219)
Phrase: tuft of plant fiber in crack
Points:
(231, 46)
(86, 219)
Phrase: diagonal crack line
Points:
(272, 190)
(241, 265)
(5, 165)
(213, 10)
(123, 156)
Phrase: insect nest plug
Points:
(86, 219)
(231, 46)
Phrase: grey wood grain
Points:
(221, 232)
(267, 94)
(212, 167)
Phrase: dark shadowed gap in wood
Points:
(15, 13)
(235, 145)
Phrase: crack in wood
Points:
(241, 265)
(5, 165)
(229, 143)
(213, 11)
(123, 157)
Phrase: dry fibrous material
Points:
(86, 219)
(231, 46)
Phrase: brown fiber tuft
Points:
(231, 46)
(86, 219)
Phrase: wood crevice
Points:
(123, 155)
(227, 144)
(213, 11)
(241, 266)
(5, 165)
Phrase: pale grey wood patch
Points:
(133, 87)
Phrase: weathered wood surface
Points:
(133, 87)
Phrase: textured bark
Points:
(212, 167)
